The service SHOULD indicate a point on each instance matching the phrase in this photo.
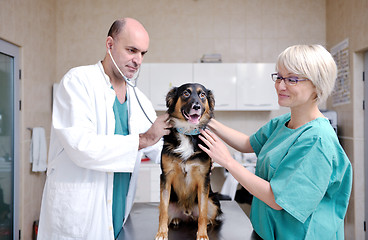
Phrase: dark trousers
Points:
(255, 236)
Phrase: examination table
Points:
(142, 224)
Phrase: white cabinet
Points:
(144, 84)
(220, 78)
(162, 77)
(148, 183)
(236, 86)
(255, 88)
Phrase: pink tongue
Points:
(194, 119)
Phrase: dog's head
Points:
(190, 105)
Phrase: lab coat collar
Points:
(106, 77)
(108, 81)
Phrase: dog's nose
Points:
(196, 106)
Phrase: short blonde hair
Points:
(313, 62)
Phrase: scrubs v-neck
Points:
(121, 179)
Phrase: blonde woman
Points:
(303, 177)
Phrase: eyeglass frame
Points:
(291, 81)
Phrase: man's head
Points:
(128, 42)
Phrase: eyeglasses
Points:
(288, 81)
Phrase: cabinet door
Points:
(163, 77)
(143, 190)
(255, 88)
(148, 183)
(144, 79)
(221, 79)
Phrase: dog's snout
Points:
(196, 106)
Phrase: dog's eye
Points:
(202, 95)
(186, 94)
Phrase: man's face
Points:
(130, 46)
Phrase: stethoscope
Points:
(130, 82)
(127, 80)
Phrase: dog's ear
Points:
(211, 100)
(171, 98)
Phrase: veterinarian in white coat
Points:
(85, 152)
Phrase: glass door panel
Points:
(6, 146)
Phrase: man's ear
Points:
(109, 42)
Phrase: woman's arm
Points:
(233, 138)
(257, 186)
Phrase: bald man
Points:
(98, 136)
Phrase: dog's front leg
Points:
(165, 190)
(203, 192)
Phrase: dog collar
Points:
(193, 132)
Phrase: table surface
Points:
(142, 224)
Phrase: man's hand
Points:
(159, 128)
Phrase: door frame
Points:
(366, 140)
(14, 51)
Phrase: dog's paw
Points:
(161, 236)
(202, 237)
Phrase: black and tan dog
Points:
(185, 192)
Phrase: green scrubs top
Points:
(121, 179)
(310, 176)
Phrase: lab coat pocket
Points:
(72, 205)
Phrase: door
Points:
(9, 142)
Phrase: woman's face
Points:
(295, 96)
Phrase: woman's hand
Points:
(257, 186)
(216, 149)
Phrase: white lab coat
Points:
(84, 154)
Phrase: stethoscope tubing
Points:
(130, 83)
